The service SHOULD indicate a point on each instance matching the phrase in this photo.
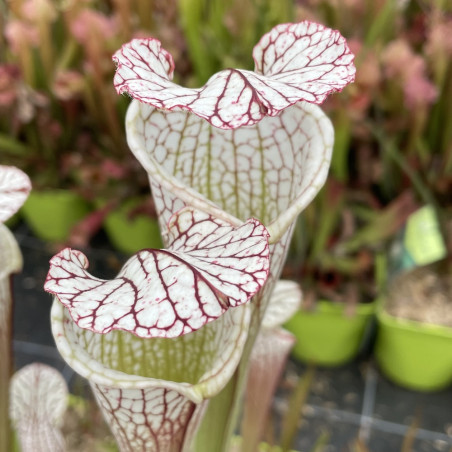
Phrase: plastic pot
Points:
(327, 335)
(413, 354)
(130, 234)
(51, 214)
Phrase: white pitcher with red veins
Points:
(230, 165)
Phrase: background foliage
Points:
(62, 122)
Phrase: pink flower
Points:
(39, 10)
(9, 75)
(113, 169)
(89, 24)
(399, 61)
(418, 90)
(68, 85)
(439, 40)
(409, 69)
(18, 33)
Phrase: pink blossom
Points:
(418, 90)
(18, 33)
(399, 61)
(89, 24)
(409, 70)
(9, 75)
(113, 169)
(439, 39)
(68, 85)
(37, 10)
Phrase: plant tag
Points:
(419, 243)
(423, 240)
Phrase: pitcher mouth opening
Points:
(271, 170)
(92, 363)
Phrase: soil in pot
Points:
(414, 342)
(423, 294)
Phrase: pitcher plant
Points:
(14, 188)
(38, 401)
(230, 165)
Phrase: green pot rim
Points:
(54, 192)
(390, 320)
(333, 307)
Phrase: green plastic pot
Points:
(51, 214)
(327, 335)
(412, 354)
(130, 235)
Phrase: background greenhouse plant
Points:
(32, 400)
(60, 119)
(393, 144)
(382, 148)
(14, 188)
(38, 400)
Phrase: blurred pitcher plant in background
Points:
(14, 188)
(32, 400)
